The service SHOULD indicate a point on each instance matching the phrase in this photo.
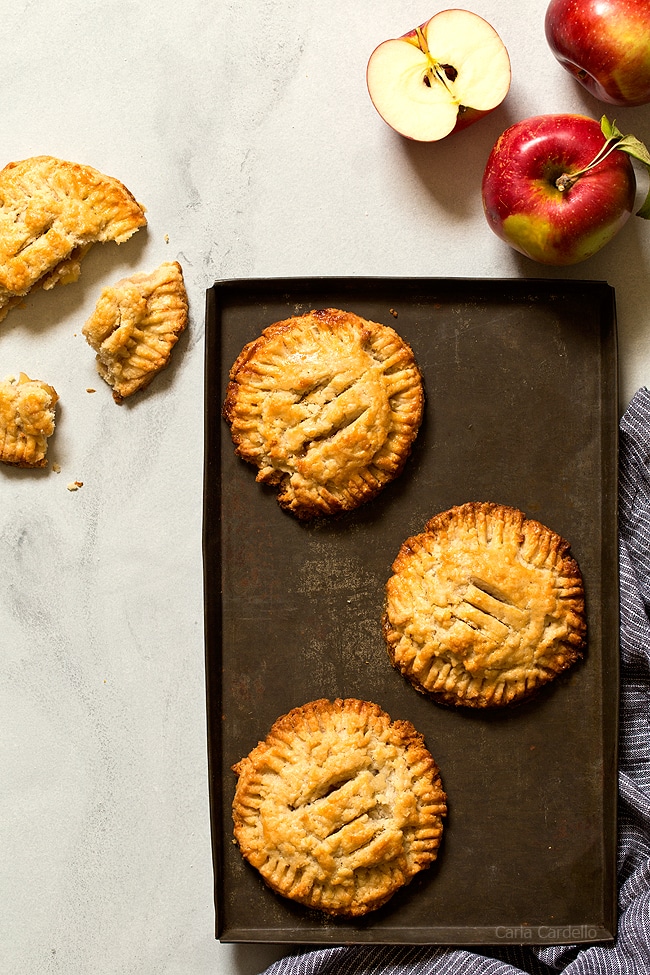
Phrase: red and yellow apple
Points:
(439, 77)
(556, 189)
(605, 44)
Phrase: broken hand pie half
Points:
(26, 420)
(135, 326)
(327, 406)
(51, 212)
(339, 807)
(484, 607)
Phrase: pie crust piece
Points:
(327, 406)
(26, 420)
(51, 212)
(484, 607)
(135, 326)
(339, 807)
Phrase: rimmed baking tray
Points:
(521, 408)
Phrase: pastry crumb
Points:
(75, 485)
(56, 468)
(89, 389)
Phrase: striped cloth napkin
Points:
(630, 953)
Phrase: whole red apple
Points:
(605, 44)
(538, 197)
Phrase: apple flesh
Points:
(535, 200)
(439, 77)
(605, 44)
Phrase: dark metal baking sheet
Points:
(521, 387)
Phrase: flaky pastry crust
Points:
(27, 416)
(327, 406)
(51, 212)
(484, 607)
(135, 326)
(339, 807)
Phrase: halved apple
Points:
(440, 77)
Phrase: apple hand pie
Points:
(327, 406)
(339, 807)
(26, 420)
(51, 212)
(135, 326)
(484, 607)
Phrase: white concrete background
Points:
(247, 131)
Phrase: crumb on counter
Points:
(56, 468)
(89, 389)
(75, 485)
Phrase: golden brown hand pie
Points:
(26, 420)
(339, 807)
(327, 406)
(51, 212)
(484, 607)
(135, 326)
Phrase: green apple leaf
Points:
(609, 129)
(633, 147)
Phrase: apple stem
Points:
(614, 139)
(566, 180)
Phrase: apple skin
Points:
(605, 45)
(524, 207)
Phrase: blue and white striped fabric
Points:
(630, 954)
